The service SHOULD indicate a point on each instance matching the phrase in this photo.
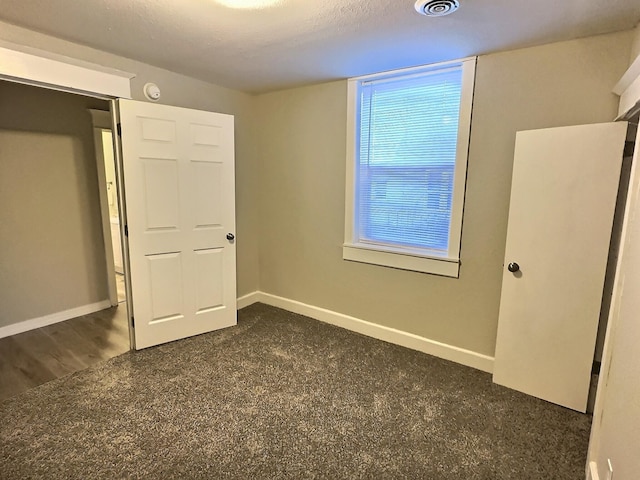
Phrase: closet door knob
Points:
(513, 267)
(230, 236)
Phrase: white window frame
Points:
(406, 258)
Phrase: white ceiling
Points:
(307, 41)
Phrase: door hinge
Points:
(126, 230)
(595, 368)
(133, 322)
(119, 129)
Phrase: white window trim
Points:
(395, 256)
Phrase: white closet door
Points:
(563, 195)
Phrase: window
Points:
(408, 141)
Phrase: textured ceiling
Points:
(296, 42)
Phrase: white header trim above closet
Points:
(36, 67)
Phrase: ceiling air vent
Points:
(436, 8)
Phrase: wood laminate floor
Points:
(35, 357)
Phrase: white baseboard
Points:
(387, 334)
(34, 323)
(248, 299)
(592, 472)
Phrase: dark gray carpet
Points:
(285, 396)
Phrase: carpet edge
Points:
(445, 351)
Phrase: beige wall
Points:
(183, 91)
(302, 170)
(51, 246)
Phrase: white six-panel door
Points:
(563, 194)
(178, 169)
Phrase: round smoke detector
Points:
(436, 8)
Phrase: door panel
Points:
(165, 286)
(210, 280)
(161, 192)
(179, 185)
(563, 196)
(208, 193)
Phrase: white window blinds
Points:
(406, 156)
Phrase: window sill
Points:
(376, 255)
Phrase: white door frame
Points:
(122, 212)
(39, 68)
(102, 121)
(628, 88)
